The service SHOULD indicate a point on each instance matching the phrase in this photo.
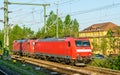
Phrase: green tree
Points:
(18, 32)
(15, 33)
(95, 47)
(117, 39)
(71, 27)
(60, 27)
(51, 26)
(1, 38)
(51, 22)
(27, 32)
(104, 45)
(67, 27)
(75, 28)
(111, 38)
(41, 33)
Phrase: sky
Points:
(87, 12)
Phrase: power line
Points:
(38, 10)
(66, 2)
(93, 10)
(24, 14)
(98, 20)
(20, 8)
(103, 16)
(24, 17)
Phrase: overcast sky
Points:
(87, 12)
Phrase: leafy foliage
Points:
(65, 28)
(111, 62)
(1, 38)
(104, 45)
(110, 37)
(95, 46)
(17, 33)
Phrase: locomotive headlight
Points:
(33, 48)
(78, 55)
(90, 54)
(33, 43)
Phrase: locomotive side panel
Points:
(25, 48)
(59, 48)
(16, 47)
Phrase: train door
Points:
(32, 47)
(21, 49)
(70, 48)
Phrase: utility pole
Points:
(57, 21)
(6, 29)
(45, 17)
(6, 26)
(6, 43)
(44, 5)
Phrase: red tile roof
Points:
(100, 27)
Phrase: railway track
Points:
(52, 66)
(67, 69)
(2, 72)
(105, 71)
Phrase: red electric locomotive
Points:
(24, 47)
(69, 50)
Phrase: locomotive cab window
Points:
(78, 43)
(86, 43)
(82, 43)
(69, 44)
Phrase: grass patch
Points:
(97, 62)
(19, 68)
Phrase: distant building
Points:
(101, 36)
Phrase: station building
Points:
(104, 37)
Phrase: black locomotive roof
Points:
(20, 40)
(51, 39)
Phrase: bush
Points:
(111, 62)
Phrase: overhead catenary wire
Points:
(98, 21)
(31, 4)
(76, 13)
(20, 15)
(18, 8)
(91, 10)
(88, 11)
(95, 9)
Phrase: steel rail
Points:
(52, 66)
(69, 70)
